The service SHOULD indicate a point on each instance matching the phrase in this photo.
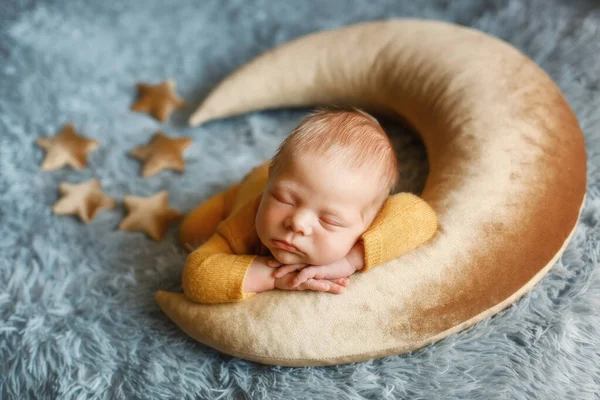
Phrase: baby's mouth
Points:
(286, 246)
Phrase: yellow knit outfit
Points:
(215, 271)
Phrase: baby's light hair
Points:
(348, 137)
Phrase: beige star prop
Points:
(66, 148)
(149, 214)
(85, 200)
(160, 153)
(159, 100)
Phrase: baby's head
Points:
(327, 182)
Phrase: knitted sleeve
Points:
(201, 223)
(215, 271)
(404, 222)
(212, 274)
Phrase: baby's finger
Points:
(323, 285)
(304, 275)
(336, 289)
(341, 281)
(286, 269)
(315, 284)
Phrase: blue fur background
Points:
(77, 313)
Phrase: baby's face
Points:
(316, 207)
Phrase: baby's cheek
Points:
(344, 243)
(328, 248)
(271, 219)
(261, 223)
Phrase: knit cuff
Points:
(234, 282)
(404, 223)
(373, 245)
(218, 279)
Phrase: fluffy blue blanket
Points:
(77, 313)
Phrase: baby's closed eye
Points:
(281, 199)
(332, 223)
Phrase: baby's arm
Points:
(405, 222)
(200, 224)
(213, 274)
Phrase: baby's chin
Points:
(286, 257)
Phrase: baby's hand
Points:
(339, 269)
(335, 286)
(284, 269)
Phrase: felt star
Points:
(149, 214)
(161, 153)
(159, 100)
(85, 200)
(66, 148)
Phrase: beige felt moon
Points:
(507, 180)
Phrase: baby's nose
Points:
(303, 230)
(301, 224)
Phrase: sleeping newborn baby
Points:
(316, 213)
